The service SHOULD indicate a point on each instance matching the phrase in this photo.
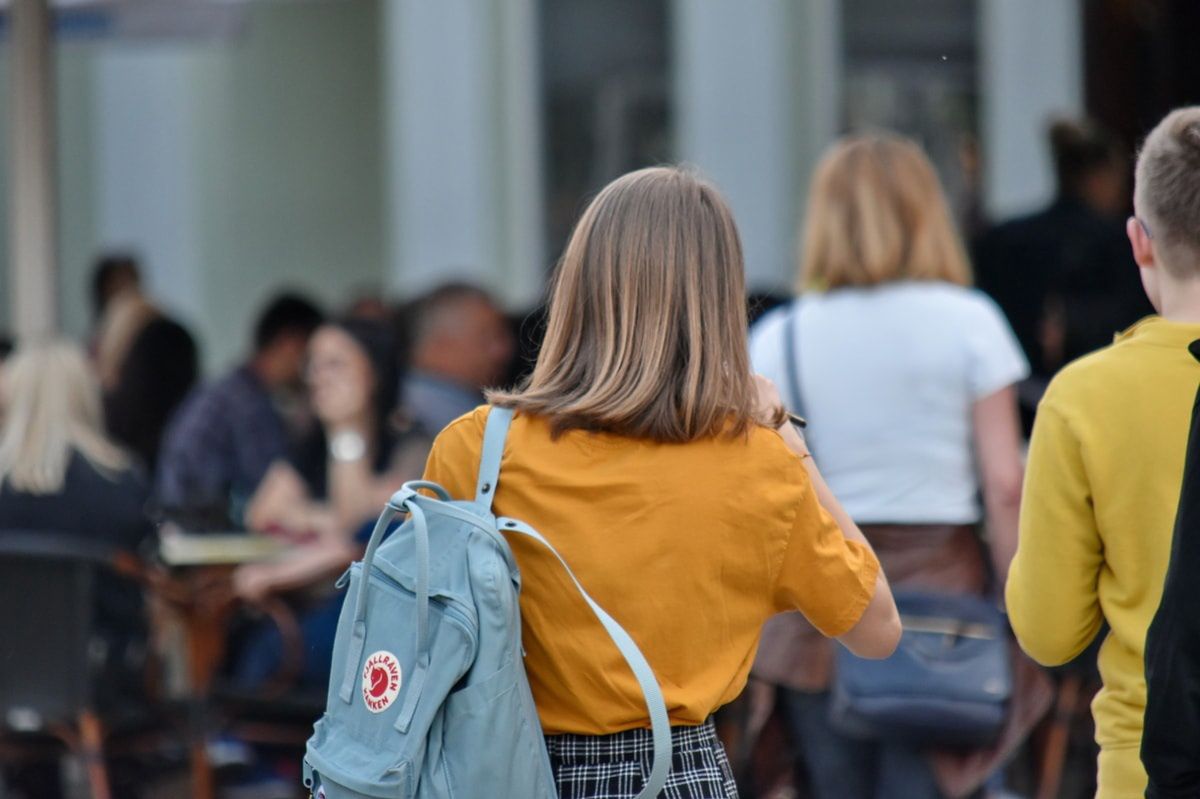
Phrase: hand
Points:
(279, 493)
(770, 407)
(769, 403)
(253, 582)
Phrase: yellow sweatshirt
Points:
(1101, 489)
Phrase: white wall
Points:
(146, 190)
(464, 189)
(339, 145)
(756, 101)
(234, 166)
(289, 163)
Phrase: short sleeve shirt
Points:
(691, 547)
(888, 376)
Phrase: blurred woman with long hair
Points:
(336, 480)
(147, 363)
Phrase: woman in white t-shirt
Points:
(907, 375)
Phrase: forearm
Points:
(354, 494)
(1003, 521)
(877, 631)
(997, 439)
(308, 565)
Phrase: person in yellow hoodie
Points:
(1106, 461)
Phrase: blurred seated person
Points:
(362, 448)
(369, 304)
(60, 473)
(332, 488)
(223, 438)
(147, 364)
(461, 344)
(1064, 276)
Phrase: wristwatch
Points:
(347, 446)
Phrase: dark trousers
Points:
(845, 768)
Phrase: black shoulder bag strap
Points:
(791, 358)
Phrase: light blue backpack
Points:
(428, 697)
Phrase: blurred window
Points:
(605, 89)
(912, 67)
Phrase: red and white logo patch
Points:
(381, 681)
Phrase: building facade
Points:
(351, 146)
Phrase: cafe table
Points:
(195, 591)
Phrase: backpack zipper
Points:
(453, 608)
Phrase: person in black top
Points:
(147, 364)
(225, 435)
(1064, 276)
(60, 473)
(1171, 734)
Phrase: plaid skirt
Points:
(615, 766)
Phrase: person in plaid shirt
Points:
(222, 439)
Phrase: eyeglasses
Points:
(1145, 227)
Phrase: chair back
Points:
(47, 658)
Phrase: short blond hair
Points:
(876, 213)
(647, 322)
(1167, 189)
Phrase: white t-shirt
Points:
(889, 375)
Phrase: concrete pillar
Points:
(1031, 69)
(32, 203)
(757, 98)
(463, 146)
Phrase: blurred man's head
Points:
(1165, 231)
(1089, 165)
(460, 334)
(370, 305)
(113, 273)
(281, 338)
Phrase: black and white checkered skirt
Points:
(615, 766)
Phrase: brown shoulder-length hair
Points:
(646, 334)
(876, 213)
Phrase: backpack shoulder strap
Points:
(494, 435)
(660, 724)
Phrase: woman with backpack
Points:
(668, 477)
